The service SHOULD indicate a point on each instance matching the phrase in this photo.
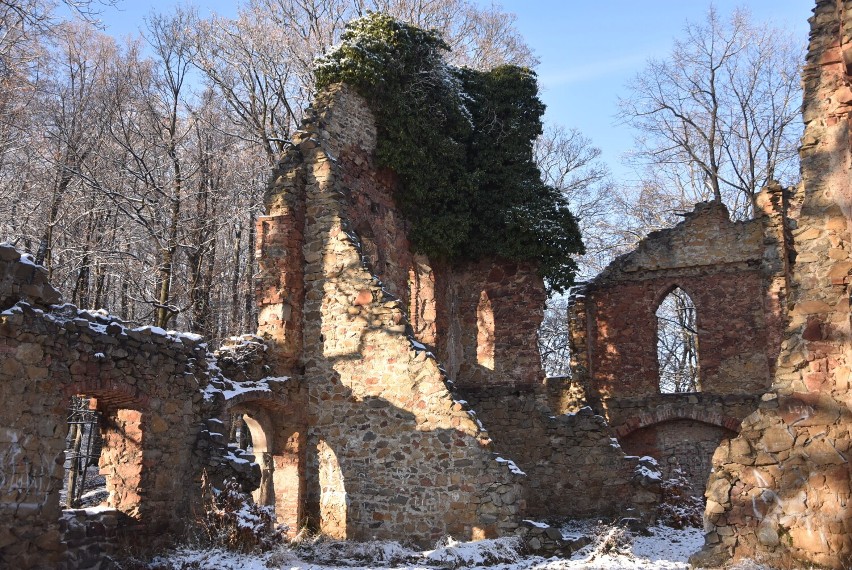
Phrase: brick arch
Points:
(657, 416)
(665, 291)
(278, 431)
(108, 393)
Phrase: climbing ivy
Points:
(461, 142)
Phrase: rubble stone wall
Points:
(780, 491)
(146, 385)
(389, 452)
(575, 467)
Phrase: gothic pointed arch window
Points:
(677, 343)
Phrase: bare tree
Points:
(677, 344)
(141, 194)
(74, 103)
(553, 338)
(719, 118)
(571, 163)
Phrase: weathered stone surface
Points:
(805, 438)
(735, 273)
(149, 387)
(387, 452)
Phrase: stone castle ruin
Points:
(389, 396)
(735, 274)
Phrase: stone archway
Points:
(679, 441)
(278, 445)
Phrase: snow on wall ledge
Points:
(146, 385)
(780, 491)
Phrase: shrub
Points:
(680, 507)
(461, 142)
(231, 519)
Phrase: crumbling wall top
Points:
(705, 237)
(21, 279)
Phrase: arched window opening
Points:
(677, 344)
(278, 449)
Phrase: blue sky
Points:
(588, 50)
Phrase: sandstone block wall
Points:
(488, 314)
(781, 490)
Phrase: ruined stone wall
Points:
(147, 385)
(488, 314)
(574, 465)
(736, 275)
(389, 452)
(680, 430)
(781, 490)
(279, 283)
(374, 315)
(725, 268)
(479, 318)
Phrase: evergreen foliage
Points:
(461, 142)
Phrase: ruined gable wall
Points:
(148, 387)
(721, 265)
(390, 454)
(736, 275)
(481, 319)
(781, 489)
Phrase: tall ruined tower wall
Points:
(781, 489)
(389, 452)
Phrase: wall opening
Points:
(485, 332)
(103, 456)
(681, 444)
(278, 450)
(334, 502)
(83, 484)
(677, 344)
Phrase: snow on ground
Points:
(612, 548)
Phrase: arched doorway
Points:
(278, 447)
